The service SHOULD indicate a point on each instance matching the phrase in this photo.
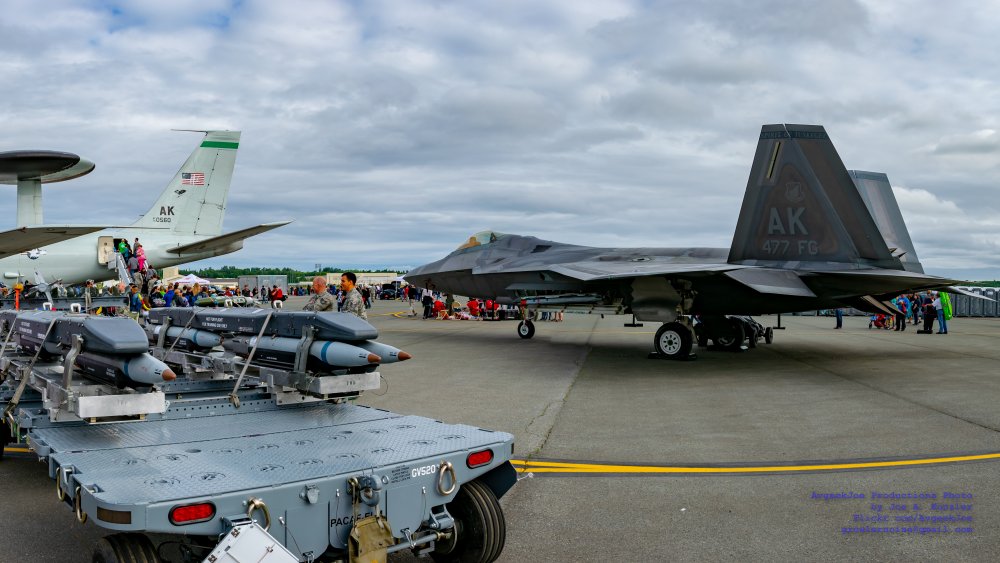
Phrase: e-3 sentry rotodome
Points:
(29, 169)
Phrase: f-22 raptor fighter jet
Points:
(811, 235)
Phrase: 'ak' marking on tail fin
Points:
(801, 208)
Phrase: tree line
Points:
(293, 274)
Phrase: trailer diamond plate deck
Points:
(151, 462)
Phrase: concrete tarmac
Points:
(754, 442)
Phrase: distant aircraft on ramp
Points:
(183, 225)
(810, 235)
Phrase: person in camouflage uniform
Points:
(321, 299)
(353, 303)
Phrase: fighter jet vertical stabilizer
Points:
(876, 191)
(801, 209)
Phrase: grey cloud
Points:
(585, 138)
(984, 142)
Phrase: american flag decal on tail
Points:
(193, 178)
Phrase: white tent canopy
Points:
(190, 279)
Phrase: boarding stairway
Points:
(119, 265)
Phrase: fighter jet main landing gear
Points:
(673, 341)
(730, 332)
(730, 336)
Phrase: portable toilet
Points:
(990, 307)
(976, 310)
(960, 304)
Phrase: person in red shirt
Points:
(276, 294)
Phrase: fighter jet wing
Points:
(763, 280)
(228, 239)
(959, 290)
(890, 279)
(24, 239)
(590, 270)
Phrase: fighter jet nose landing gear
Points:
(526, 329)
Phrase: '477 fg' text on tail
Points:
(802, 210)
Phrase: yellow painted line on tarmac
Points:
(526, 466)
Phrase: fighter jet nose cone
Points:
(169, 375)
(403, 355)
(374, 359)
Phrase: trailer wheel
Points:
(480, 528)
(4, 436)
(125, 548)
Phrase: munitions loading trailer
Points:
(62, 303)
(245, 461)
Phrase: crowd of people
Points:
(926, 307)
(445, 306)
(152, 293)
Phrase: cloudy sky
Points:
(391, 131)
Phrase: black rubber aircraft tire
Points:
(125, 548)
(526, 329)
(673, 340)
(4, 437)
(480, 528)
(768, 335)
(733, 338)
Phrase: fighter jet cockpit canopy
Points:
(481, 238)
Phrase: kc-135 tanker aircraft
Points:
(183, 225)
(810, 235)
